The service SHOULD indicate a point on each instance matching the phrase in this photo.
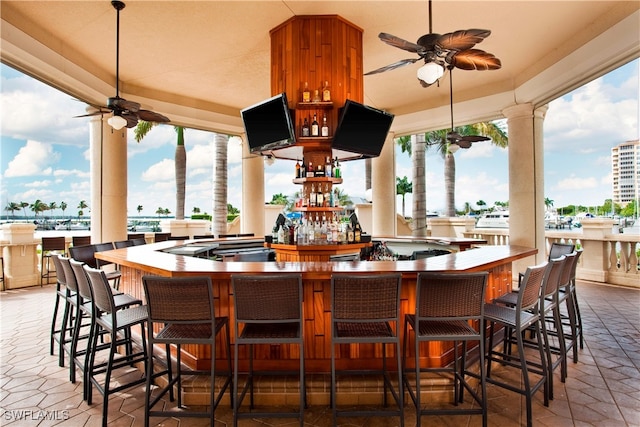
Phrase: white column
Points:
(252, 211)
(383, 183)
(108, 166)
(526, 179)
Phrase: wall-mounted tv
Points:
(361, 129)
(269, 124)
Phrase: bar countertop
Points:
(153, 260)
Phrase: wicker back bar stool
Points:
(516, 320)
(366, 309)
(181, 311)
(116, 323)
(449, 307)
(51, 246)
(268, 310)
(63, 294)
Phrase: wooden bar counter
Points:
(149, 259)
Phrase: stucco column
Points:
(526, 180)
(108, 164)
(383, 185)
(252, 211)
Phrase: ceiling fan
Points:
(441, 51)
(125, 113)
(454, 137)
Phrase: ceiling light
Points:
(269, 160)
(453, 148)
(430, 72)
(117, 122)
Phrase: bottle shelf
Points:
(319, 209)
(318, 179)
(325, 105)
(314, 138)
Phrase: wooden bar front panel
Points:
(317, 299)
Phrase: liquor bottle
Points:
(316, 96)
(303, 170)
(305, 128)
(334, 231)
(336, 198)
(306, 93)
(357, 233)
(350, 234)
(319, 197)
(336, 170)
(314, 126)
(319, 170)
(312, 196)
(305, 198)
(328, 168)
(310, 173)
(297, 175)
(311, 232)
(325, 126)
(327, 195)
(326, 93)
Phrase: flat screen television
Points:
(361, 129)
(269, 124)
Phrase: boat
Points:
(72, 225)
(494, 219)
(553, 220)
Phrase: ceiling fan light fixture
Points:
(117, 122)
(430, 72)
(453, 147)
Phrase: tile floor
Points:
(603, 389)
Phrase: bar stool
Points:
(366, 309)
(182, 312)
(161, 237)
(50, 246)
(63, 294)
(108, 319)
(78, 354)
(449, 307)
(80, 240)
(112, 275)
(123, 244)
(517, 320)
(551, 323)
(268, 310)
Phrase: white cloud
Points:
(161, 171)
(575, 183)
(33, 159)
(38, 184)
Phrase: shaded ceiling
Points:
(200, 62)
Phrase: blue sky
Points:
(44, 153)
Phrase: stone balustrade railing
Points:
(608, 257)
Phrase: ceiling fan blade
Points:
(401, 43)
(474, 138)
(96, 113)
(463, 144)
(393, 66)
(462, 39)
(131, 118)
(475, 59)
(151, 116)
(122, 104)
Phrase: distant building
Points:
(625, 165)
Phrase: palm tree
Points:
(53, 206)
(403, 186)
(63, 207)
(220, 143)
(139, 209)
(414, 145)
(140, 131)
(82, 206)
(24, 206)
(548, 202)
(438, 139)
(12, 207)
(38, 206)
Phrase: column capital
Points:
(541, 112)
(518, 111)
